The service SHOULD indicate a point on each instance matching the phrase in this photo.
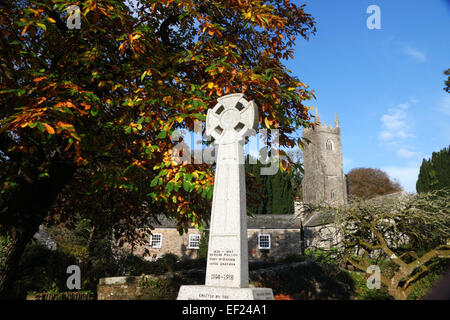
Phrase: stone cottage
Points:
(268, 236)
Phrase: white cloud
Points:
(444, 104)
(407, 176)
(405, 153)
(414, 53)
(394, 124)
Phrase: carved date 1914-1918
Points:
(215, 276)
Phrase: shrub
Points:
(199, 263)
(4, 243)
(203, 245)
(169, 261)
(292, 257)
(319, 255)
(304, 280)
(42, 270)
(362, 292)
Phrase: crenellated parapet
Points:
(323, 127)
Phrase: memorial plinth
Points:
(229, 122)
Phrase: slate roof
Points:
(164, 222)
(319, 219)
(274, 221)
(267, 221)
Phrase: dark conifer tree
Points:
(434, 173)
(269, 194)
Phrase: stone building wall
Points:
(172, 242)
(283, 241)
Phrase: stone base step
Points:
(223, 293)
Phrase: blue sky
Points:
(386, 85)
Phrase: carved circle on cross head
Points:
(232, 118)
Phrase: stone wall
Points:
(283, 242)
(322, 237)
(147, 287)
(71, 295)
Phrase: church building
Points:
(324, 180)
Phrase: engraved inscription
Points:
(223, 258)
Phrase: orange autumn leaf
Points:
(168, 100)
(86, 106)
(49, 128)
(63, 125)
(42, 99)
(282, 296)
(39, 79)
(24, 31)
(122, 48)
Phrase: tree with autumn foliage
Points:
(368, 183)
(93, 109)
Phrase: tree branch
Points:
(385, 247)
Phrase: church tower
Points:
(324, 180)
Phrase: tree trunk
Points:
(94, 238)
(25, 211)
(17, 240)
(398, 293)
(91, 243)
(394, 290)
(302, 239)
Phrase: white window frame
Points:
(261, 235)
(158, 244)
(191, 240)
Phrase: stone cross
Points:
(229, 122)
